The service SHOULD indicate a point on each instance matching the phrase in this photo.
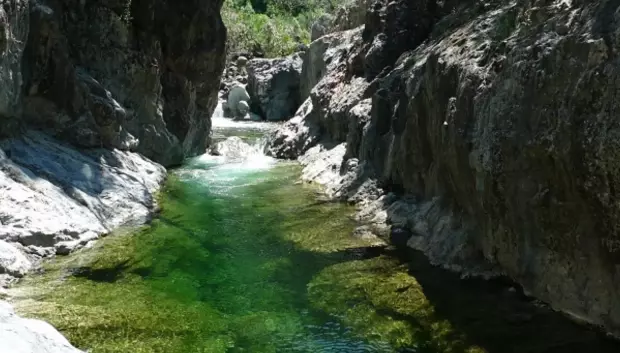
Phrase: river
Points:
(243, 258)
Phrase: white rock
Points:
(243, 108)
(19, 335)
(232, 148)
(12, 261)
(50, 193)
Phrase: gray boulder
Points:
(274, 85)
(243, 108)
(237, 95)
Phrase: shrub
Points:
(270, 25)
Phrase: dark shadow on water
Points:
(495, 315)
(107, 275)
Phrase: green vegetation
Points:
(271, 25)
(259, 268)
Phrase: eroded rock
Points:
(99, 76)
(236, 96)
(52, 194)
(273, 85)
(496, 123)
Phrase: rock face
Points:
(320, 27)
(350, 14)
(494, 127)
(113, 74)
(20, 335)
(273, 85)
(52, 196)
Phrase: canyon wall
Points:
(134, 75)
(485, 132)
(88, 89)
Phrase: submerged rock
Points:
(273, 85)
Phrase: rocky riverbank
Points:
(90, 95)
(55, 199)
(479, 133)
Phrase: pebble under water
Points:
(242, 258)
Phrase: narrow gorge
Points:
(421, 176)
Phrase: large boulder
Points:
(273, 85)
(237, 101)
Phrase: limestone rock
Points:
(320, 27)
(12, 261)
(95, 79)
(325, 55)
(349, 15)
(296, 136)
(317, 31)
(13, 38)
(51, 194)
(242, 61)
(273, 85)
(496, 123)
(19, 335)
(237, 95)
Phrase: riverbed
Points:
(244, 258)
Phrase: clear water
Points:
(244, 259)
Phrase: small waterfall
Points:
(235, 149)
(236, 157)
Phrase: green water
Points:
(244, 259)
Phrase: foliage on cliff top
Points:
(271, 25)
